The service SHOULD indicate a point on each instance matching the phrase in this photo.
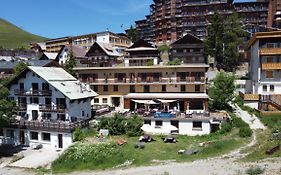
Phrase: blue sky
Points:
(58, 18)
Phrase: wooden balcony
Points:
(52, 108)
(58, 126)
(271, 66)
(21, 92)
(270, 51)
(249, 97)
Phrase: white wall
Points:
(63, 57)
(186, 128)
(103, 37)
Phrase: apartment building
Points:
(138, 86)
(264, 71)
(51, 103)
(120, 41)
(169, 20)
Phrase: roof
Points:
(50, 55)
(8, 64)
(141, 49)
(141, 43)
(166, 95)
(188, 39)
(62, 81)
(42, 45)
(192, 65)
(77, 51)
(107, 48)
(41, 63)
(261, 35)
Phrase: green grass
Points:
(12, 36)
(157, 150)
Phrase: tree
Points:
(221, 92)
(70, 64)
(133, 34)
(214, 40)
(7, 107)
(20, 67)
(223, 40)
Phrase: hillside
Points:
(12, 36)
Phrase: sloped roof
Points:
(141, 43)
(77, 51)
(188, 39)
(107, 48)
(62, 81)
(42, 63)
(50, 55)
(8, 64)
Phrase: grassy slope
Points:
(12, 36)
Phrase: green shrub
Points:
(133, 127)
(239, 101)
(238, 122)
(78, 135)
(254, 170)
(119, 125)
(177, 61)
(225, 128)
(245, 132)
(149, 63)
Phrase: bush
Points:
(149, 63)
(254, 170)
(119, 125)
(78, 135)
(177, 61)
(245, 132)
(238, 122)
(225, 128)
(133, 127)
(239, 101)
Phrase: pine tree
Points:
(70, 64)
(133, 34)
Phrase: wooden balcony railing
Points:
(271, 66)
(22, 92)
(270, 51)
(52, 108)
(59, 126)
(249, 97)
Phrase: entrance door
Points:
(34, 114)
(60, 142)
(22, 138)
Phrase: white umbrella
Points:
(147, 128)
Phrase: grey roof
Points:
(77, 51)
(41, 63)
(64, 82)
(8, 64)
(109, 49)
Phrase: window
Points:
(264, 88)
(269, 59)
(163, 88)
(132, 89)
(183, 88)
(147, 122)
(46, 136)
(96, 100)
(34, 135)
(94, 88)
(197, 88)
(105, 88)
(10, 133)
(269, 74)
(34, 100)
(197, 125)
(146, 88)
(21, 86)
(1, 132)
(47, 116)
(158, 123)
(115, 88)
(104, 100)
(271, 87)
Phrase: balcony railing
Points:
(22, 92)
(249, 97)
(52, 108)
(270, 51)
(271, 66)
(51, 126)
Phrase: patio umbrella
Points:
(147, 128)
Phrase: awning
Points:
(149, 102)
(165, 96)
(166, 101)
